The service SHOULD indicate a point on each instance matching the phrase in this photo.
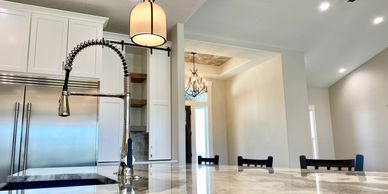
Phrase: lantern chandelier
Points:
(195, 85)
(148, 24)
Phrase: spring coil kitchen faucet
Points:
(125, 170)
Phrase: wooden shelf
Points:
(138, 77)
(138, 103)
(139, 128)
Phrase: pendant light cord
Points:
(193, 53)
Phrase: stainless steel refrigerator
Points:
(32, 135)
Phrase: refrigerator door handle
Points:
(15, 130)
(28, 119)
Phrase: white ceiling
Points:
(177, 11)
(344, 36)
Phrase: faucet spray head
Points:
(63, 109)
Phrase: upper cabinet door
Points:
(159, 77)
(112, 79)
(48, 44)
(14, 37)
(88, 62)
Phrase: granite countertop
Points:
(172, 178)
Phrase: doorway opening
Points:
(196, 119)
(197, 132)
(188, 135)
(201, 131)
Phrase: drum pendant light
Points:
(147, 24)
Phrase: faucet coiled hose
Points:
(70, 58)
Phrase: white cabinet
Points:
(110, 117)
(110, 130)
(14, 37)
(36, 40)
(159, 105)
(154, 143)
(112, 78)
(88, 62)
(48, 44)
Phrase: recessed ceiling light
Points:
(342, 70)
(324, 6)
(378, 20)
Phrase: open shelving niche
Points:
(137, 66)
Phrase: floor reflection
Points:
(203, 183)
(317, 183)
(241, 169)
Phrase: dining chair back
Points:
(209, 161)
(267, 163)
(357, 164)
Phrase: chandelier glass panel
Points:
(195, 85)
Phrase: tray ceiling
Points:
(206, 59)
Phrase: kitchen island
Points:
(172, 178)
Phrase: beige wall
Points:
(295, 93)
(360, 113)
(319, 97)
(176, 35)
(256, 114)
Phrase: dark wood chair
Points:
(357, 164)
(267, 163)
(209, 161)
